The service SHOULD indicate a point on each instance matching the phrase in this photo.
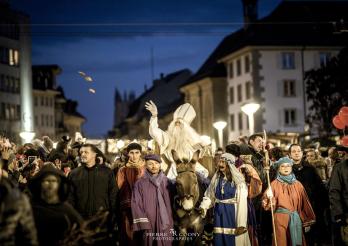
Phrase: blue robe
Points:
(224, 214)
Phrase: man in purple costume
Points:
(151, 206)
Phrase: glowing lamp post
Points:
(219, 126)
(249, 109)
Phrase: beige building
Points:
(55, 115)
(205, 96)
(265, 62)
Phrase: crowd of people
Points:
(254, 194)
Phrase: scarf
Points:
(156, 181)
(289, 179)
(137, 164)
(295, 226)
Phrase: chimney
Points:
(249, 12)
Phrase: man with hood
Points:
(151, 206)
(54, 217)
(180, 136)
(228, 193)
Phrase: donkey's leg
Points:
(182, 236)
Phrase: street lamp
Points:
(27, 136)
(219, 126)
(249, 109)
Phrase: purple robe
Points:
(152, 214)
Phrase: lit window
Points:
(288, 60)
(16, 57)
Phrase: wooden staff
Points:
(267, 167)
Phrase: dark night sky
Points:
(111, 41)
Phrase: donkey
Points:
(190, 191)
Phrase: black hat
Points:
(132, 146)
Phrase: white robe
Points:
(162, 139)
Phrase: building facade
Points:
(54, 114)
(15, 58)
(265, 62)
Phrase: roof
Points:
(165, 93)
(292, 23)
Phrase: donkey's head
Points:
(186, 181)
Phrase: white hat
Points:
(185, 112)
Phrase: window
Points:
(42, 120)
(42, 101)
(240, 121)
(288, 60)
(230, 70)
(248, 90)
(13, 57)
(2, 82)
(239, 93)
(17, 89)
(47, 120)
(18, 112)
(247, 64)
(232, 122)
(36, 120)
(247, 121)
(289, 88)
(290, 117)
(239, 67)
(3, 111)
(324, 58)
(47, 101)
(35, 101)
(231, 95)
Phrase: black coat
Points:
(93, 189)
(315, 189)
(338, 190)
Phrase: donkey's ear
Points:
(195, 157)
(175, 156)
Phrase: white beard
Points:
(182, 139)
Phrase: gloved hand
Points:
(151, 106)
(269, 193)
(307, 228)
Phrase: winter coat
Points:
(93, 189)
(338, 190)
